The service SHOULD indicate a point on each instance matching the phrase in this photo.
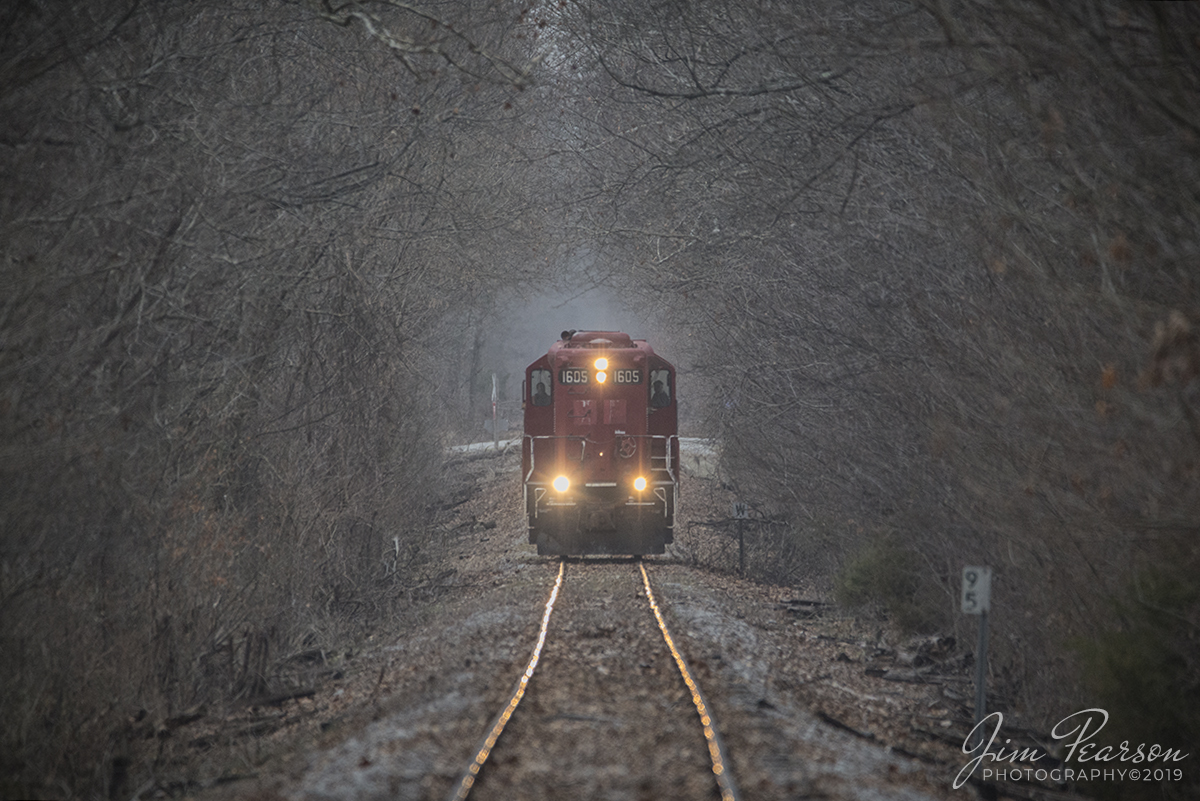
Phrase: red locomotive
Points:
(600, 456)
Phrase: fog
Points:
(522, 329)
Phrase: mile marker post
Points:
(976, 600)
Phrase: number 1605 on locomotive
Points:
(600, 455)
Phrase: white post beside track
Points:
(977, 600)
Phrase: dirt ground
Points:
(811, 702)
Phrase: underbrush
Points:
(188, 598)
(886, 577)
(1145, 672)
(99, 672)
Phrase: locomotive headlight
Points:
(639, 483)
(602, 364)
(562, 483)
(600, 376)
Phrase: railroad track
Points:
(617, 698)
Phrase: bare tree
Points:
(922, 250)
(232, 239)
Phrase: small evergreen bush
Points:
(884, 575)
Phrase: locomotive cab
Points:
(600, 454)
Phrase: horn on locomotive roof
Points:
(566, 335)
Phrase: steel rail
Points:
(716, 747)
(460, 791)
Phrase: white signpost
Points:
(976, 590)
(977, 600)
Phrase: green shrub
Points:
(1145, 673)
(884, 575)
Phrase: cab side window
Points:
(660, 388)
(539, 387)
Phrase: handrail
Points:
(666, 457)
